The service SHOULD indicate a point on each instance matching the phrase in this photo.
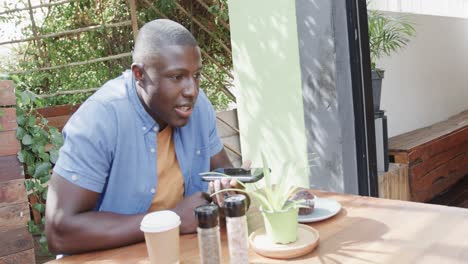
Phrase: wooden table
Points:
(367, 230)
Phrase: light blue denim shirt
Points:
(110, 147)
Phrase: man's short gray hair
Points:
(159, 33)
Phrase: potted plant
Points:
(387, 34)
(280, 213)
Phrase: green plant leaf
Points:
(42, 169)
(20, 156)
(43, 239)
(54, 154)
(25, 97)
(20, 132)
(39, 207)
(29, 185)
(44, 178)
(44, 196)
(32, 120)
(21, 119)
(33, 228)
(38, 186)
(44, 156)
(27, 157)
(27, 140)
(56, 138)
(31, 168)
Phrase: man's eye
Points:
(197, 76)
(177, 77)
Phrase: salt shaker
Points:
(236, 225)
(209, 242)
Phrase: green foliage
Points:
(272, 197)
(387, 34)
(1, 114)
(109, 41)
(39, 151)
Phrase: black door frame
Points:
(362, 97)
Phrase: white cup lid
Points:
(159, 221)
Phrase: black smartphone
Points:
(251, 175)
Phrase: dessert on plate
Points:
(309, 200)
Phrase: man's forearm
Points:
(94, 231)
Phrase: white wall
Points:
(428, 81)
(451, 8)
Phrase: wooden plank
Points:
(10, 168)
(7, 93)
(425, 188)
(10, 145)
(423, 135)
(455, 196)
(399, 157)
(394, 183)
(439, 145)
(421, 169)
(14, 216)
(60, 110)
(24, 257)
(12, 192)
(229, 124)
(8, 119)
(15, 241)
(58, 121)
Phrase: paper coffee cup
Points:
(161, 230)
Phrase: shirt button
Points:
(155, 129)
(198, 152)
(143, 128)
(74, 177)
(152, 150)
(153, 190)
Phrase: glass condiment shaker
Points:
(236, 226)
(209, 242)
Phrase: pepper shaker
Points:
(209, 241)
(236, 225)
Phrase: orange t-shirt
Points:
(170, 190)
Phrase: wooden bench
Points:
(437, 156)
(16, 243)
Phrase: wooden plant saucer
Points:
(307, 240)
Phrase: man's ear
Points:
(137, 70)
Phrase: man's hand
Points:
(222, 184)
(186, 210)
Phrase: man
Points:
(136, 145)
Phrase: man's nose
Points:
(191, 88)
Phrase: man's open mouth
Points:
(183, 111)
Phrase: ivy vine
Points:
(40, 144)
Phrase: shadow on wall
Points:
(285, 63)
(318, 70)
(264, 45)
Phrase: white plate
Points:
(324, 209)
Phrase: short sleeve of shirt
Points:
(89, 139)
(215, 141)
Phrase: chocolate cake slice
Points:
(308, 197)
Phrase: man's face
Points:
(170, 84)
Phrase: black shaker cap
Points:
(235, 205)
(207, 215)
